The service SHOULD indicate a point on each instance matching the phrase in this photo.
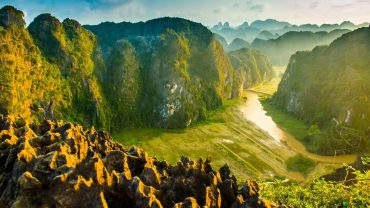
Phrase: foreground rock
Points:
(59, 164)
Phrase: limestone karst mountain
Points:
(328, 87)
(278, 28)
(254, 66)
(167, 72)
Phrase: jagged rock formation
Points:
(57, 164)
(329, 88)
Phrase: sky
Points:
(208, 12)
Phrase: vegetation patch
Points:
(300, 163)
(286, 121)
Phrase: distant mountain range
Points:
(249, 32)
(279, 50)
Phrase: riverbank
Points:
(255, 112)
(228, 137)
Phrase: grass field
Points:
(270, 87)
(228, 137)
(286, 121)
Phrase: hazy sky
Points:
(208, 12)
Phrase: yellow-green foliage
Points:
(25, 76)
(223, 68)
(255, 65)
(176, 47)
(49, 70)
(122, 84)
(320, 193)
(74, 50)
(329, 87)
(300, 163)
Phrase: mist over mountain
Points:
(249, 32)
(280, 50)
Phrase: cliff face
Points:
(167, 72)
(49, 71)
(253, 65)
(329, 87)
(57, 164)
(184, 71)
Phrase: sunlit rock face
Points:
(58, 164)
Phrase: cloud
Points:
(257, 8)
(249, 3)
(314, 5)
(342, 3)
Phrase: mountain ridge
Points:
(316, 88)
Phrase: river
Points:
(253, 111)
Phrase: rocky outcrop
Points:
(58, 164)
(10, 16)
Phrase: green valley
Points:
(133, 104)
(229, 137)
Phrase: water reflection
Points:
(253, 111)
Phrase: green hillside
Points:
(280, 49)
(329, 89)
(253, 65)
(166, 72)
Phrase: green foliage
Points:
(279, 50)
(300, 163)
(183, 72)
(329, 87)
(26, 78)
(9, 16)
(320, 193)
(255, 66)
(238, 44)
(166, 72)
(122, 85)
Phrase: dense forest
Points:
(329, 88)
(166, 72)
(147, 82)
